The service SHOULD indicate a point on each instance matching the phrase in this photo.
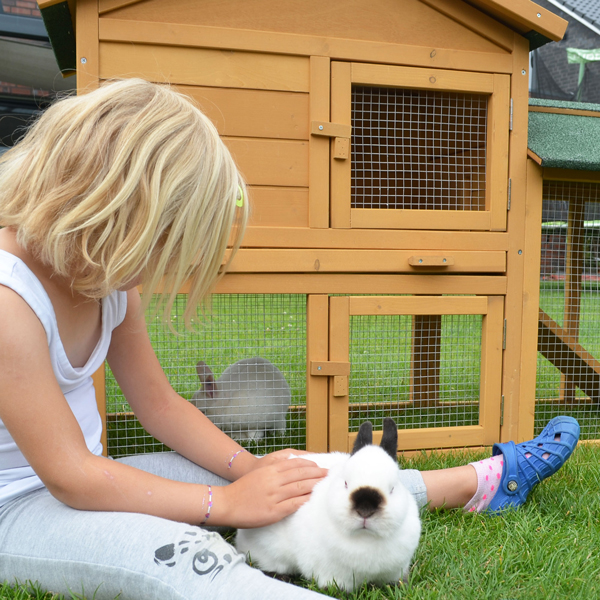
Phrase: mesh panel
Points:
(420, 150)
(568, 373)
(423, 371)
(260, 402)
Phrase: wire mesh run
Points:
(420, 150)
(568, 371)
(423, 371)
(245, 367)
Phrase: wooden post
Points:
(317, 348)
(574, 271)
(99, 379)
(318, 148)
(339, 351)
(531, 296)
(516, 426)
(88, 61)
(425, 359)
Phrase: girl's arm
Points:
(41, 422)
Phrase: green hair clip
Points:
(239, 201)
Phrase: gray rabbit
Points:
(250, 398)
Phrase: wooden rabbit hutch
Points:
(564, 141)
(391, 265)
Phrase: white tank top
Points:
(16, 476)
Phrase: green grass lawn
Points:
(547, 549)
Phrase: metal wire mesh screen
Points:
(259, 401)
(568, 372)
(423, 371)
(414, 149)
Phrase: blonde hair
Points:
(128, 181)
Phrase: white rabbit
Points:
(360, 524)
(250, 398)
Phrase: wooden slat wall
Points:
(260, 106)
(378, 21)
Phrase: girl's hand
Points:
(276, 488)
(274, 457)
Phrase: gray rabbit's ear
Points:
(389, 441)
(207, 378)
(364, 437)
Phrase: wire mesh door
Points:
(245, 368)
(429, 148)
(432, 363)
(568, 373)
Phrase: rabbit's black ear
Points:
(389, 441)
(364, 437)
(206, 377)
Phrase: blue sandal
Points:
(522, 473)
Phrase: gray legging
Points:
(133, 556)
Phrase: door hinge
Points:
(502, 411)
(509, 194)
(504, 336)
(510, 126)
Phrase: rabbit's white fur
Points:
(326, 539)
(250, 398)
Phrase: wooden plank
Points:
(340, 170)
(515, 425)
(423, 79)
(327, 283)
(253, 113)
(564, 111)
(420, 219)
(88, 63)
(528, 15)
(109, 5)
(99, 381)
(476, 21)
(204, 67)
(434, 241)
(571, 175)
(497, 152)
(418, 305)
(533, 156)
(366, 261)
(329, 368)
(574, 271)
(278, 207)
(325, 129)
(425, 360)
(270, 162)
(531, 296)
(569, 357)
(317, 348)
(174, 34)
(318, 166)
(339, 351)
(490, 402)
(378, 20)
(433, 437)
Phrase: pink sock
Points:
(489, 473)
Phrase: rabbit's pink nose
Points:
(366, 501)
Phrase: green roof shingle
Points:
(565, 141)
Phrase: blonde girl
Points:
(127, 185)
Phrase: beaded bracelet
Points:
(231, 461)
(209, 505)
